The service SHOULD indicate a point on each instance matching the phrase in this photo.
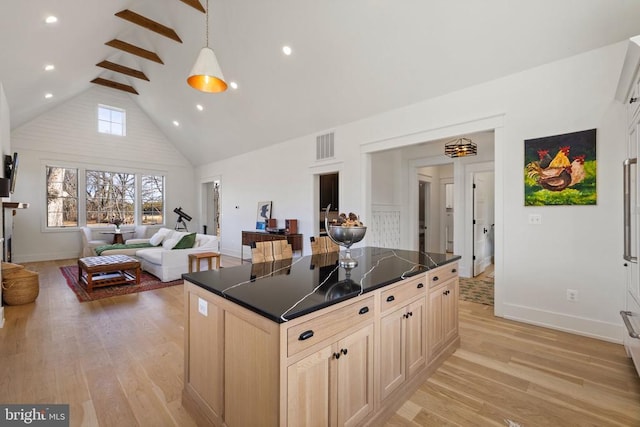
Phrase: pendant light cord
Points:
(207, 26)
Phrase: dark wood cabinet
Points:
(248, 237)
(329, 191)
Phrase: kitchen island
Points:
(303, 342)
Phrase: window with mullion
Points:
(62, 196)
(109, 196)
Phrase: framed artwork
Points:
(560, 169)
(264, 213)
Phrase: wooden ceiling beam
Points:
(195, 4)
(114, 85)
(123, 70)
(135, 50)
(144, 22)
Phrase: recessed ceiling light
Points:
(48, 95)
(51, 19)
(200, 107)
(176, 123)
(233, 85)
(49, 67)
(286, 50)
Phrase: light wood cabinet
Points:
(442, 321)
(334, 385)
(348, 364)
(402, 334)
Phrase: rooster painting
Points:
(559, 180)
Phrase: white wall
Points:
(576, 247)
(67, 135)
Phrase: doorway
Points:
(328, 195)
(434, 210)
(483, 221)
(212, 208)
(424, 196)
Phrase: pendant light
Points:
(460, 147)
(206, 75)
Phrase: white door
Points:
(483, 218)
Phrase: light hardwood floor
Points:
(118, 362)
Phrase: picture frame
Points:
(263, 214)
(561, 169)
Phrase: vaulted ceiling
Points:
(351, 58)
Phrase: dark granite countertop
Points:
(284, 290)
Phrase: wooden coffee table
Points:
(110, 270)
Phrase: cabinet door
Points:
(450, 311)
(434, 326)
(308, 390)
(355, 377)
(633, 278)
(416, 337)
(392, 354)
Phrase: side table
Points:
(209, 256)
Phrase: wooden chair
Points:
(323, 245)
(271, 251)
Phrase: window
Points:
(105, 195)
(152, 199)
(62, 197)
(109, 196)
(111, 120)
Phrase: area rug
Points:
(477, 290)
(147, 282)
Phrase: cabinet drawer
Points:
(442, 274)
(399, 294)
(308, 333)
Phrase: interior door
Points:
(424, 195)
(482, 220)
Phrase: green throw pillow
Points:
(186, 242)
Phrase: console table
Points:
(295, 240)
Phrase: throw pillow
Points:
(186, 242)
(170, 243)
(159, 236)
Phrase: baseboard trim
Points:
(591, 328)
(18, 258)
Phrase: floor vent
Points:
(324, 146)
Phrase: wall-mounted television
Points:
(11, 170)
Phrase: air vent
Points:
(324, 146)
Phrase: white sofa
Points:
(164, 262)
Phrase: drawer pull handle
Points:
(364, 310)
(453, 270)
(305, 335)
(390, 298)
(632, 100)
(435, 278)
(336, 355)
(420, 285)
(625, 317)
(344, 351)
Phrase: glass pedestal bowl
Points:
(345, 237)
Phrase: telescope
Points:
(182, 216)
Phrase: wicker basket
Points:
(20, 287)
(8, 269)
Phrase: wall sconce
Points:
(460, 147)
